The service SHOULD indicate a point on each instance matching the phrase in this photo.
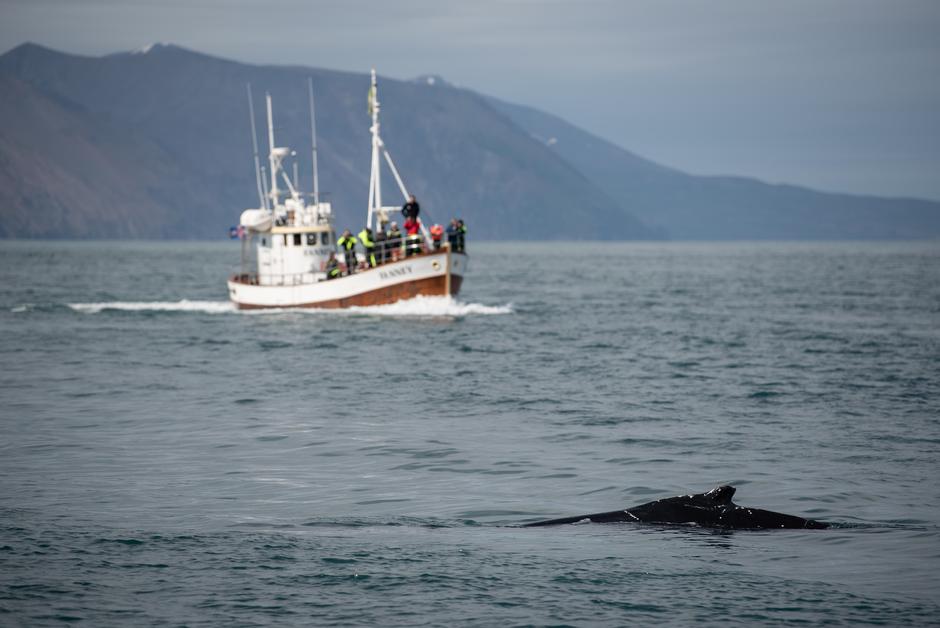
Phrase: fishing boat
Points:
(288, 242)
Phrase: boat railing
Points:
(400, 248)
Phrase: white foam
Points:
(433, 307)
(207, 307)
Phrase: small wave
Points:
(207, 307)
(350, 522)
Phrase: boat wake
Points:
(205, 307)
(423, 306)
(418, 307)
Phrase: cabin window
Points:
(326, 237)
(297, 241)
(311, 239)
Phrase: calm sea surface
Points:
(165, 460)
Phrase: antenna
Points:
(254, 145)
(313, 138)
(264, 185)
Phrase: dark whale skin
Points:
(713, 509)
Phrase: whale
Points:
(713, 509)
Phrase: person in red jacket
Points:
(413, 237)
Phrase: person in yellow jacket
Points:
(332, 267)
(348, 243)
(365, 236)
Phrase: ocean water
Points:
(166, 460)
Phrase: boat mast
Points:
(375, 180)
(378, 150)
(313, 137)
(293, 157)
(274, 161)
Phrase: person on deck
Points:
(393, 242)
(348, 242)
(368, 244)
(453, 234)
(437, 232)
(461, 235)
(381, 254)
(332, 267)
(411, 209)
(413, 239)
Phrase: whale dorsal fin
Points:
(721, 495)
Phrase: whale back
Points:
(720, 496)
(710, 509)
(701, 508)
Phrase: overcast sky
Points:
(840, 95)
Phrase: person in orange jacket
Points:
(437, 232)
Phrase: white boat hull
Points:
(436, 273)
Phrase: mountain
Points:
(156, 144)
(687, 207)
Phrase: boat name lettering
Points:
(395, 272)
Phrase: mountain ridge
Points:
(165, 129)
